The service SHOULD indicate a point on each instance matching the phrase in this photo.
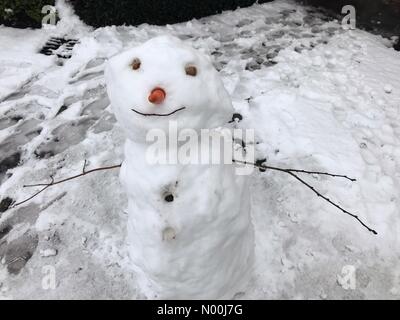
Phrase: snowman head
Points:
(162, 80)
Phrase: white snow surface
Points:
(319, 98)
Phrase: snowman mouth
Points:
(158, 114)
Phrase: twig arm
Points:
(290, 172)
(53, 183)
(332, 203)
(84, 172)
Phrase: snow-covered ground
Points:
(319, 97)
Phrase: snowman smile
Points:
(158, 114)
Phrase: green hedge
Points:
(133, 12)
(22, 13)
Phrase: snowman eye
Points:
(191, 71)
(135, 64)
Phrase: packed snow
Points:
(189, 226)
(319, 98)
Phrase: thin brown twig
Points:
(84, 166)
(299, 170)
(333, 203)
(35, 194)
(53, 183)
(290, 172)
(311, 172)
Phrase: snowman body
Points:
(189, 225)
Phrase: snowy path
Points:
(319, 97)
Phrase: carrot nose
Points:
(157, 96)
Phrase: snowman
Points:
(189, 227)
